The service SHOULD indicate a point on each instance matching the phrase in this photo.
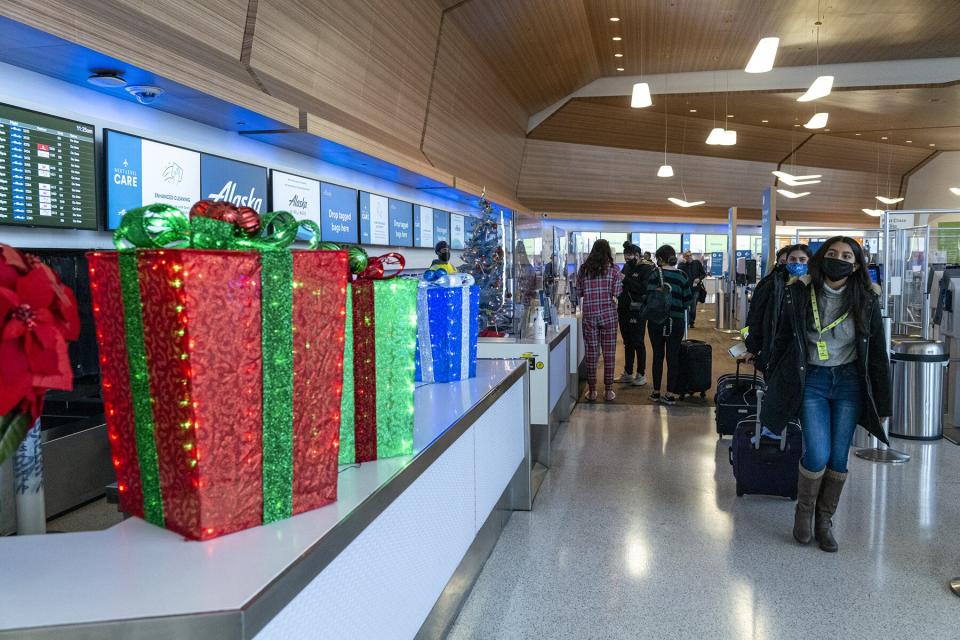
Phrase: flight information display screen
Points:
(47, 171)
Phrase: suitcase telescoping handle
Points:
(739, 362)
(758, 431)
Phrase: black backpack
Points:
(656, 307)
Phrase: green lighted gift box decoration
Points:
(378, 376)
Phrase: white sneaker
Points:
(626, 378)
(640, 381)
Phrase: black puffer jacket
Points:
(786, 372)
(763, 319)
(635, 276)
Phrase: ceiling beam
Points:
(857, 75)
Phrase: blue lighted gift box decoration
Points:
(448, 306)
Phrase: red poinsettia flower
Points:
(38, 314)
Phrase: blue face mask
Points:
(797, 269)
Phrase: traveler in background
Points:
(665, 338)
(647, 257)
(632, 326)
(764, 315)
(599, 283)
(829, 368)
(695, 273)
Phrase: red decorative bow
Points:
(376, 267)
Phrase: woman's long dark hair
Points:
(859, 287)
(599, 260)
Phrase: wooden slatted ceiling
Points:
(591, 179)
(611, 122)
(366, 65)
(119, 29)
(474, 127)
(536, 46)
(893, 112)
(702, 35)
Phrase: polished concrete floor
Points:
(637, 533)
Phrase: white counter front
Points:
(371, 564)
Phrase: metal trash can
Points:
(918, 371)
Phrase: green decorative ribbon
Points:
(163, 227)
(143, 427)
(160, 226)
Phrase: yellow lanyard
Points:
(822, 352)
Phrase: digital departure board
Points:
(46, 171)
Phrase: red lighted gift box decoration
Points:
(221, 367)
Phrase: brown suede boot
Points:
(808, 487)
(830, 490)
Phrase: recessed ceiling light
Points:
(932, 144)
(614, 19)
(619, 68)
(693, 110)
(618, 55)
(107, 79)
(617, 38)
(856, 134)
(796, 125)
(883, 137)
(909, 141)
(729, 115)
(764, 121)
(826, 129)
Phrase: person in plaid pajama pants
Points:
(600, 283)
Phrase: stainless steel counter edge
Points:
(263, 607)
(564, 330)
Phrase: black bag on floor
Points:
(764, 465)
(696, 368)
(736, 399)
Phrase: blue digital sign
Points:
(441, 226)
(242, 184)
(456, 231)
(374, 219)
(339, 213)
(401, 223)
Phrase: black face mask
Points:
(632, 259)
(836, 269)
(444, 256)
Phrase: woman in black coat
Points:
(767, 301)
(829, 368)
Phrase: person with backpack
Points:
(695, 272)
(632, 326)
(599, 284)
(829, 367)
(763, 318)
(668, 299)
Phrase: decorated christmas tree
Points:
(483, 259)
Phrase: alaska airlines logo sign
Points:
(297, 202)
(229, 194)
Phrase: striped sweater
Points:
(681, 295)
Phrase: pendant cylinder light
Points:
(641, 96)
(665, 171)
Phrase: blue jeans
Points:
(829, 415)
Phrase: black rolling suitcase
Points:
(764, 465)
(696, 366)
(735, 400)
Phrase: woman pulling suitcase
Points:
(666, 333)
(829, 367)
